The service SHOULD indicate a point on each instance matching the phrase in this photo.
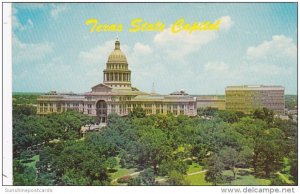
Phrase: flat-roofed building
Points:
(248, 98)
(211, 101)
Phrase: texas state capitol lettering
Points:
(139, 25)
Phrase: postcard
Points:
(154, 94)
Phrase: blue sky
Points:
(256, 44)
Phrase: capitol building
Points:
(116, 94)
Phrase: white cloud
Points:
(177, 46)
(17, 25)
(279, 46)
(45, 77)
(213, 67)
(226, 23)
(96, 55)
(142, 49)
(58, 9)
(271, 62)
(30, 5)
(29, 52)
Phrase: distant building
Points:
(211, 101)
(248, 98)
(116, 94)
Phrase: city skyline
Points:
(248, 49)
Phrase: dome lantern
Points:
(117, 45)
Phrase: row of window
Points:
(51, 109)
(117, 66)
(58, 105)
(117, 77)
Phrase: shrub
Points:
(189, 162)
(135, 182)
(124, 179)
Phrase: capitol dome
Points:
(117, 74)
(117, 56)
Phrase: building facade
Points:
(116, 94)
(211, 101)
(248, 98)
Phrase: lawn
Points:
(198, 179)
(245, 177)
(34, 159)
(120, 171)
(194, 167)
(285, 178)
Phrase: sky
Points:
(256, 44)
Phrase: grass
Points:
(34, 159)
(194, 167)
(245, 177)
(285, 178)
(121, 171)
(198, 179)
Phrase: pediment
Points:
(101, 88)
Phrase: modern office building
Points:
(248, 98)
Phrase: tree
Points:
(294, 167)
(135, 182)
(207, 112)
(176, 178)
(137, 112)
(269, 151)
(111, 162)
(172, 164)
(214, 170)
(155, 147)
(117, 123)
(245, 157)
(76, 163)
(147, 177)
(22, 111)
(227, 116)
(230, 158)
(23, 175)
(264, 114)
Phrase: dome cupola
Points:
(117, 56)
